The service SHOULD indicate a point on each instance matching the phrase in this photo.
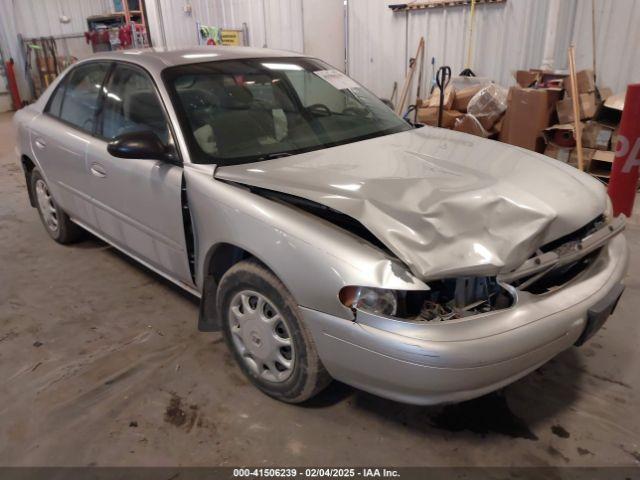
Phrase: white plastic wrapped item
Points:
(488, 104)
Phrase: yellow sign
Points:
(231, 37)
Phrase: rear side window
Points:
(131, 104)
(80, 102)
(55, 102)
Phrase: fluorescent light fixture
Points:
(200, 55)
(282, 66)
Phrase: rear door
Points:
(138, 201)
(60, 138)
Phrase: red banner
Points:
(624, 173)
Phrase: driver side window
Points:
(131, 104)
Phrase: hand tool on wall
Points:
(442, 80)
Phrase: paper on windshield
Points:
(337, 79)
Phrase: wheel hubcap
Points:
(261, 336)
(47, 208)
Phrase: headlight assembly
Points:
(374, 300)
(447, 299)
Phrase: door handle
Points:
(98, 170)
(40, 143)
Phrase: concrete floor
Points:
(101, 364)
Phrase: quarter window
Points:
(55, 103)
(80, 102)
(131, 104)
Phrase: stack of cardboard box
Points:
(599, 125)
(530, 108)
(455, 115)
(539, 115)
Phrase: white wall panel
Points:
(507, 37)
(272, 23)
(37, 18)
(40, 18)
(617, 41)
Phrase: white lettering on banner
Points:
(633, 160)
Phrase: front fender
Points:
(312, 257)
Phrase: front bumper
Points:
(457, 360)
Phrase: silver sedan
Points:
(326, 236)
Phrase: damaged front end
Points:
(553, 266)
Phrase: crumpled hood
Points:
(445, 203)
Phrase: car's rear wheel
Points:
(263, 328)
(57, 223)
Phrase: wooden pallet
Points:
(407, 7)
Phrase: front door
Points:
(138, 202)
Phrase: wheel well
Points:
(222, 257)
(27, 167)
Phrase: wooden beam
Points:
(576, 106)
(404, 7)
(408, 79)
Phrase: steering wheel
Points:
(320, 109)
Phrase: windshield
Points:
(240, 111)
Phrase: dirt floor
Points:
(101, 364)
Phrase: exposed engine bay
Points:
(455, 298)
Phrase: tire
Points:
(255, 306)
(57, 223)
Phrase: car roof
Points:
(158, 58)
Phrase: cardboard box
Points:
(488, 121)
(470, 124)
(561, 135)
(588, 108)
(562, 154)
(614, 138)
(527, 78)
(587, 156)
(596, 136)
(449, 96)
(462, 97)
(529, 112)
(586, 82)
(601, 163)
(570, 155)
(429, 115)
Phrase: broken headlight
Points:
(374, 300)
(447, 299)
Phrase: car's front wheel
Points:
(57, 223)
(263, 328)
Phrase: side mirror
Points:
(144, 144)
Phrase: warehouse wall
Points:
(324, 30)
(272, 23)
(506, 37)
(38, 18)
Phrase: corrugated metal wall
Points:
(40, 18)
(272, 23)
(507, 37)
(37, 18)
